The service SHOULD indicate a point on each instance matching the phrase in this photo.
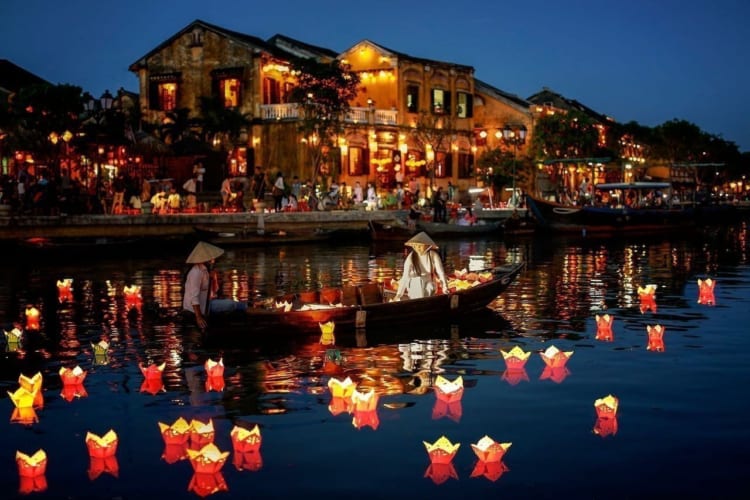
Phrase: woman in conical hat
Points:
(201, 286)
(423, 269)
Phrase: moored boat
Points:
(371, 305)
(625, 207)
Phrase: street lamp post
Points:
(514, 137)
(97, 110)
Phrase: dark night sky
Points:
(647, 61)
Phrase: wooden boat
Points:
(371, 306)
(227, 236)
(650, 208)
(396, 230)
(400, 231)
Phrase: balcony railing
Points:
(292, 111)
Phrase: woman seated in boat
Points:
(423, 269)
(202, 286)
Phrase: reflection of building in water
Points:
(424, 359)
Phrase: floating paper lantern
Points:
(152, 371)
(647, 295)
(31, 466)
(22, 398)
(606, 407)
(706, 292)
(152, 386)
(101, 352)
(556, 374)
(515, 376)
(364, 401)
(339, 405)
(326, 333)
(33, 318)
(244, 440)
(203, 484)
(489, 450)
(215, 384)
(605, 427)
(102, 446)
(207, 460)
(133, 297)
(34, 386)
(453, 410)
(554, 357)
(604, 327)
(441, 451)
(333, 362)
(177, 433)
(490, 470)
(516, 358)
(25, 416)
(70, 392)
(655, 338)
(341, 388)
(248, 460)
(448, 391)
(72, 376)
(99, 466)
(214, 368)
(13, 337)
(201, 433)
(65, 290)
(441, 472)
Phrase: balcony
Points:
(291, 111)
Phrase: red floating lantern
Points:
(201, 433)
(203, 484)
(655, 338)
(341, 388)
(448, 391)
(72, 376)
(99, 466)
(554, 357)
(244, 440)
(214, 368)
(65, 290)
(153, 386)
(133, 297)
(606, 407)
(706, 292)
(604, 327)
(489, 450)
(152, 371)
(364, 401)
(31, 466)
(516, 358)
(340, 405)
(441, 472)
(33, 317)
(215, 383)
(207, 460)
(490, 470)
(102, 446)
(177, 433)
(173, 453)
(441, 451)
(647, 295)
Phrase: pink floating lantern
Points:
(515, 376)
(706, 292)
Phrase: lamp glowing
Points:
(152, 371)
(604, 327)
(647, 296)
(554, 357)
(31, 466)
(177, 433)
(441, 451)
(102, 446)
(244, 440)
(364, 401)
(208, 460)
(32, 317)
(448, 391)
(65, 290)
(489, 450)
(516, 358)
(655, 338)
(72, 376)
(606, 407)
(341, 388)
(706, 292)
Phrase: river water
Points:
(681, 425)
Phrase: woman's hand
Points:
(201, 321)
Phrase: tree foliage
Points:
(565, 135)
(432, 132)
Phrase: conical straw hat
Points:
(421, 243)
(203, 252)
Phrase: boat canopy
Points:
(634, 185)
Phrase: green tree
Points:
(432, 132)
(323, 92)
(565, 135)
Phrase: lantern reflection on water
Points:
(32, 317)
(24, 416)
(605, 427)
(205, 484)
(441, 472)
(556, 374)
(98, 466)
(706, 292)
(340, 405)
(490, 470)
(65, 290)
(365, 418)
(515, 376)
(453, 410)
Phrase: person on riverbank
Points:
(423, 269)
(200, 299)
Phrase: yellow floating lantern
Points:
(441, 451)
(177, 433)
(516, 358)
(341, 388)
(327, 337)
(25, 416)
